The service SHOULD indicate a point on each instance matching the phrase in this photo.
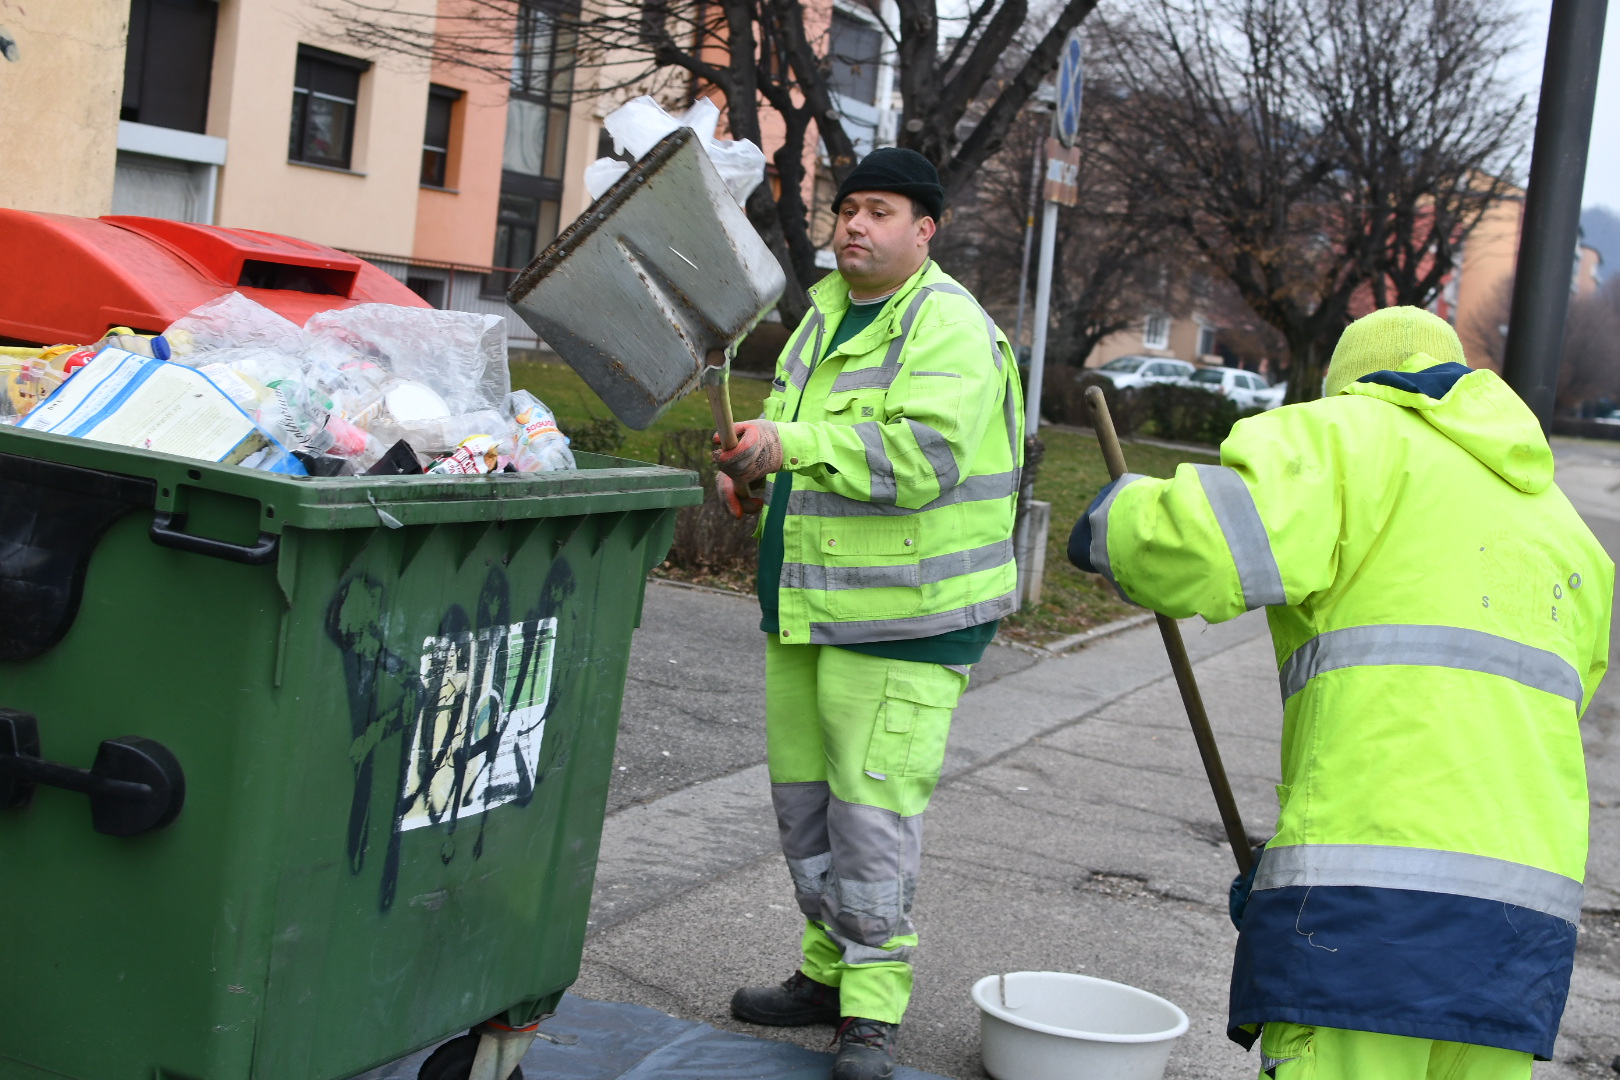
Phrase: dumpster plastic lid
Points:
(69, 279)
(247, 257)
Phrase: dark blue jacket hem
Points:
(1425, 965)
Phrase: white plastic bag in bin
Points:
(638, 125)
(459, 354)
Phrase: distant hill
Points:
(1600, 227)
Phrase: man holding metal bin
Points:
(893, 436)
(1441, 620)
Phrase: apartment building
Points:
(274, 115)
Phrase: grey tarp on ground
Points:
(632, 1042)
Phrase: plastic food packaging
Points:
(138, 401)
(478, 455)
(537, 445)
(27, 382)
(638, 125)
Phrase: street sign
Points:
(1070, 77)
(1062, 174)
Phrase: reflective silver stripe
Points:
(929, 571)
(810, 881)
(878, 378)
(915, 626)
(829, 504)
(937, 450)
(1099, 528)
(1245, 533)
(891, 358)
(877, 462)
(797, 370)
(937, 374)
(1421, 870)
(1430, 646)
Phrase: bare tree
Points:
(1113, 260)
(1310, 149)
(962, 84)
(1590, 372)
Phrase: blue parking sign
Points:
(1070, 77)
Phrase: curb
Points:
(674, 584)
(1084, 638)
(1056, 648)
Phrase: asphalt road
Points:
(1073, 832)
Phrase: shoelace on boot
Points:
(856, 1029)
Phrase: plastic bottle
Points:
(538, 444)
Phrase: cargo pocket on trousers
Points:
(908, 737)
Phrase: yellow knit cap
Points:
(1385, 339)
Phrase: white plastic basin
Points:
(1057, 1026)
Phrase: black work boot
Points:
(798, 1001)
(865, 1049)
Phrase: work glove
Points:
(758, 452)
(1238, 898)
(1080, 538)
(737, 504)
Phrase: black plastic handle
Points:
(168, 530)
(136, 785)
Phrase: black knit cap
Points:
(904, 172)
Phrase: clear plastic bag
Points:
(638, 125)
(232, 322)
(461, 355)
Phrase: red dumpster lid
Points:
(67, 279)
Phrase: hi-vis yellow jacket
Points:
(905, 445)
(1441, 619)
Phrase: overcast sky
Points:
(1603, 159)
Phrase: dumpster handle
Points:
(135, 785)
(168, 530)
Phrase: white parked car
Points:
(1246, 389)
(1135, 372)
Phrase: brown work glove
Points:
(758, 452)
(738, 504)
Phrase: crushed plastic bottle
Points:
(537, 445)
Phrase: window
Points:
(436, 138)
(535, 152)
(542, 80)
(1124, 364)
(1206, 340)
(326, 88)
(168, 62)
(1208, 375)
(856, 49)
(522, 227)
(1156, 332)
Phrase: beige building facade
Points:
(61, 72)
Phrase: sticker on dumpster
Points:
(475, 744)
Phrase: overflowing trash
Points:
(638, 125)
(372, 389)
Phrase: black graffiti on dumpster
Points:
(392, 692)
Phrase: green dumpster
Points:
(300, 775)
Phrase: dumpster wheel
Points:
(454, 1060)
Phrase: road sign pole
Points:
(1043, 312)
(1062, 178)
